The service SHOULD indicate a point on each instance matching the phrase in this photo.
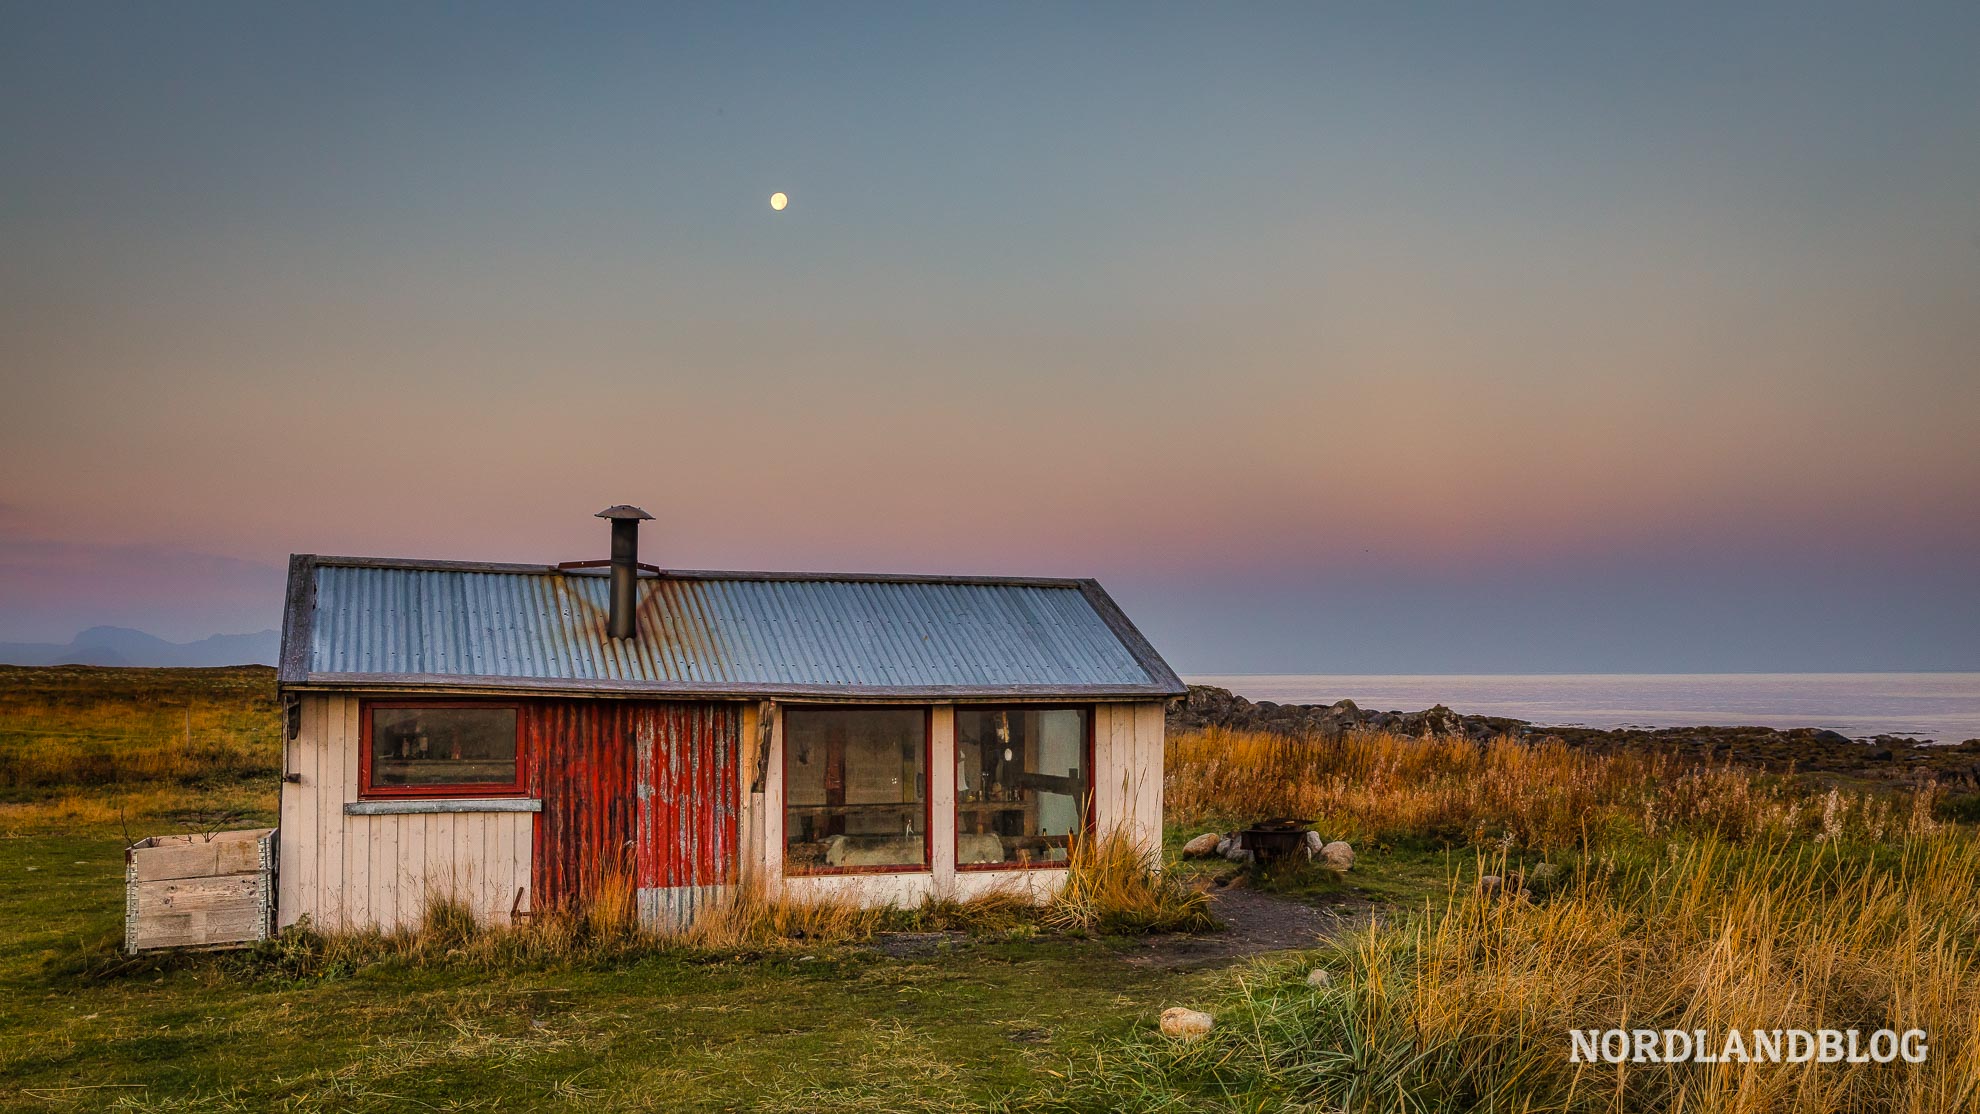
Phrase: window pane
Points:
(1021, 784)
(855, 788)
(443, 746)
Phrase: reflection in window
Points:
(443, 748)
(855, 789)
(1022, 784)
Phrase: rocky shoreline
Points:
(1807, 750)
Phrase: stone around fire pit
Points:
(1203, 846)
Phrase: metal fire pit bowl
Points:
(1269, 839)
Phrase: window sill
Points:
(852, 871)
(414, 807)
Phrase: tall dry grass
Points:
(1543, 796)
(87, 748)
(86, 727)
(1699, 898)
(603, 927)
(1114, 885)
(1471, 1009)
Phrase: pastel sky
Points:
(1372, 338)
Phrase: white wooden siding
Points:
(350, 872)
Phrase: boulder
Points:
(1313, 845)
(1203, 846)
(1338, 855)
(1490, 883)
(1179, 1021)
(1319, 978)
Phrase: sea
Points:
(1943, 707)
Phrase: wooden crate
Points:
(199, 891)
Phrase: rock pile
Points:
(1208, 706)
(1338, 855)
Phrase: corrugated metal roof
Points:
(377, 622)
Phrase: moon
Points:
(778, 201)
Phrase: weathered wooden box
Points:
(199, 891)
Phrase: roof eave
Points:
(676, 690)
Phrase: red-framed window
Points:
(440, 748)
(1024, 784)
(856, 795)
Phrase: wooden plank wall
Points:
(348, 872)
(352, 871)
(1127, 769)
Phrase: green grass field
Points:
(1632, 891)
(89, 755)
(839, 1028)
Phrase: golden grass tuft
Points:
(755, 918)
(1113, 885)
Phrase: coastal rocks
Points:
(1209, 706)
(1203, 846)
(1807, 750)
(1338, 855)
(1432, 722)
(1186, 1024)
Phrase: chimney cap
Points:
(623, 510)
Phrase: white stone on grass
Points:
(1180, 1021)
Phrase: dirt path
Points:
(1256, 923)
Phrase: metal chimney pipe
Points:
(624, 621)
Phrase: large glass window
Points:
(855, 789)
(440, 749)
(1022, 785)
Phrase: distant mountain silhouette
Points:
(123, 646)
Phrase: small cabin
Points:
(511, 735)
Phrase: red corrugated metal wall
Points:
(638, 786)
